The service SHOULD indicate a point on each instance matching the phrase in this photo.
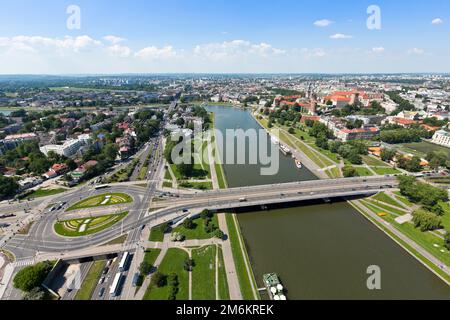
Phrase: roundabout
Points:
(87, 226)
(102, 200)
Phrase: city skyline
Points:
(202, 37)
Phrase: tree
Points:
(34, 294)
(447, 240)
(205, 214)
(159, 279)
(291, 130)
(219, 234)
(32, 277)
(8, 187)
(189, 224)
(322, 142)
(349, 172)
(145, 268)
(165, 227)
(426, 221)
(388, 154)
(189, 264)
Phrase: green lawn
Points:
(224, 293)
(239, 260)
(446, 217)
(91, 281)
(385, 170)
(151, 255)
(374, 162)
(100, 201)
(403, 243)
(387, 199)
(156, 234)
(40, 193)
(167, 184)
(173, 262)
(387, 208)
(427, 240)
(220, 176)
(426, 147)
(74, 228)
(363, 172)
(204, 273)
(196, 185)
(403, 199)
(199, 231)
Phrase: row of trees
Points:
(431, 198)
(404, 135)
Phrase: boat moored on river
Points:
(274, 287)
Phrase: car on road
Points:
(105, 271)
(102, 280)
(101, 293)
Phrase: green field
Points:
(374, 162)
(156, 234)
(239, 260)
(173, 262)
(224, 293)
(204, 273)
(383, 197)
(385, 170)
(87, 226)
(363, 172)
(387, 208)
(40, 193)
(167, 184)
(199, 231)
(427, 240)
(426, 147)
(196, 185)
(107, 199)
(91, 281)
(400, 241)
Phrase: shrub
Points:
(32, 277)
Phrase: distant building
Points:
(442, 138)
(365, 133)
(68, 149)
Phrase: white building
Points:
(442, 138)
(68, 149)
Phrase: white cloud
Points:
(323, 23)
(417, 51)
(113, 39)
(340, 36)
(236, 49)
(378, 49)
(119, 51)
(437, 21)
(37, 43)
(155, 53)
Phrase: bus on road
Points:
(114, 292)
(124, 262)
(104, 186)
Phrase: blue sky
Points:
(224, 36)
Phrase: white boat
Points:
(298, 164)
(284, 149)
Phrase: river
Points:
(321, 251)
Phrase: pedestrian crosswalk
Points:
(23, 263)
